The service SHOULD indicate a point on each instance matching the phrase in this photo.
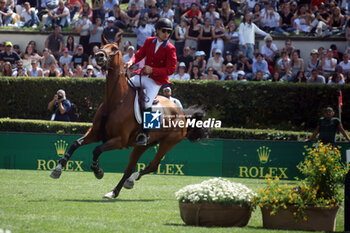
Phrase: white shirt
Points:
(345, 67)
(182, 32)
(269, 21)
(143, 33)
(327, 64)
(247, 33)
(159, 43)
(186, 76)
(127, 57)
(63, 60)
(85, 29)
(139, 4)
(167, 15)
(268, 51)
(26, 15)
(212, 18)
(65, 10)
(251, 3)
(340, 82)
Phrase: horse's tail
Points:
(195, 133)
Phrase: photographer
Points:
(60, 106)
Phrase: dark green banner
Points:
(227, 158)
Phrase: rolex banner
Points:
(227, 158)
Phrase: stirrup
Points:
(142, 139)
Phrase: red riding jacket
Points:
(163, 62)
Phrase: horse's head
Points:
(104, 55)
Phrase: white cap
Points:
(167, 88)
(131, 47)
(90, 67)
(111, 18)
(182, 64)
(218, 51)
(241, 72)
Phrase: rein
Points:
(107, 62)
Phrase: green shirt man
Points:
(327, 127)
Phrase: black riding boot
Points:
(143, 137)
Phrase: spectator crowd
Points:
(214, 39)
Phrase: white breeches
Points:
(151, 87)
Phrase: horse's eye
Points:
(114, 49)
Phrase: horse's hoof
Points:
(109, 195)
(129, 184)
(56, 173)
(135, 176)
(99, 174)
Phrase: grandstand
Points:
(305, 25)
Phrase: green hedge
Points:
(40, 126)
(56, 127)
(27, 98)
(288, 106)
(238, 104)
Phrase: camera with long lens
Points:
(59, 96)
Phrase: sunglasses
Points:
(2, 2)
(166, 31)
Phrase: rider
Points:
(160, 62)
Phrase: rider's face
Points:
(163, 34)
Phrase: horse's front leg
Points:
(111, 144)
(56, 173)
(86, 139)
(134, 157)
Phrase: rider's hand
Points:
(147, 69)
(128, 64)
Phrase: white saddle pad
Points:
(137, 111)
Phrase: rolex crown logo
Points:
(263, 153)
(61, 147)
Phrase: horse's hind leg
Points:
(134, 157)
(164, 147)
(86, 139)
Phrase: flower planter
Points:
(214, 214)
(318, 219)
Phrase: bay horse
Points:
(114, 124)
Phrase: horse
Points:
(115, 125)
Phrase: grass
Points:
(33, 202)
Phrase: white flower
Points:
(216, 190)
